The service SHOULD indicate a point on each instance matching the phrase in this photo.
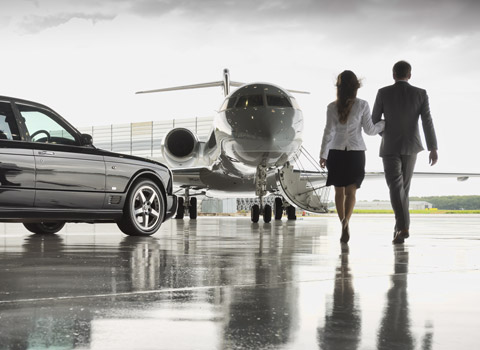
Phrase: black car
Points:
(51, 174)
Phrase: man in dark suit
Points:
(401, 105)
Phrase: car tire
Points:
(44, 228)
(144, 209)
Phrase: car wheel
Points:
(44, 228)
(144, 209)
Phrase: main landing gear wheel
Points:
(267, 213)
(44, 228)
(180, 209)
(278, 208)
(193, 208)
(144, 209)
(291, 213)
(255, 213)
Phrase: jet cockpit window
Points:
(224, 105)
(231, 102)
(278, 101)
(294, 103)
(249, 101)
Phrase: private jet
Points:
(255, 141)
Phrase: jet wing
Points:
(429, 175)
(213, 179)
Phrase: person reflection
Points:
(343, 323)
(394, 332)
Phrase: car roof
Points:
(15, 99)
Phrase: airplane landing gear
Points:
(255, 213)
(261, 191)
(280, 206)
(180, 209)
(267, 213)
(187, 203)
(193, 208)
(291, 215)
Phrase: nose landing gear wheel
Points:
(267, 213)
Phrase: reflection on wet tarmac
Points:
(343, 319)
(224, 283)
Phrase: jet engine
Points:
(180, 147)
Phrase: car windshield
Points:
(42, 127)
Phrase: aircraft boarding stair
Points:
(304, 188)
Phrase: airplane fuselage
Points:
(258, 124)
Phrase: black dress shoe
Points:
(400, 236)
(398, 239)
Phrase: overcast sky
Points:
(85, 59)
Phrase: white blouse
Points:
(349, 135)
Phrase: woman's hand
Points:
(323, 163)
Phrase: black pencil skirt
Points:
(345, 168)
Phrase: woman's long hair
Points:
(347, 86)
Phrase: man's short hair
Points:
(402, 69)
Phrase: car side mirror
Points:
(86, 140)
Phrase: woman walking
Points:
(343, 148)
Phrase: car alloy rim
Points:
(146, 207)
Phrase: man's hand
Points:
(433, 157)
(323, 163)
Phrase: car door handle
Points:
(46, 153)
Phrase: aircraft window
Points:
(231, 102)
(278, 101)
(249, 101)
(8, 127)
(294, 103)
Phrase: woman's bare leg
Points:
(340, 202)
(350, 200)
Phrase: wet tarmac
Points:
(224, 283)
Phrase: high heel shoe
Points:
(345, 232)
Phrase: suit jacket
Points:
(402, 104)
